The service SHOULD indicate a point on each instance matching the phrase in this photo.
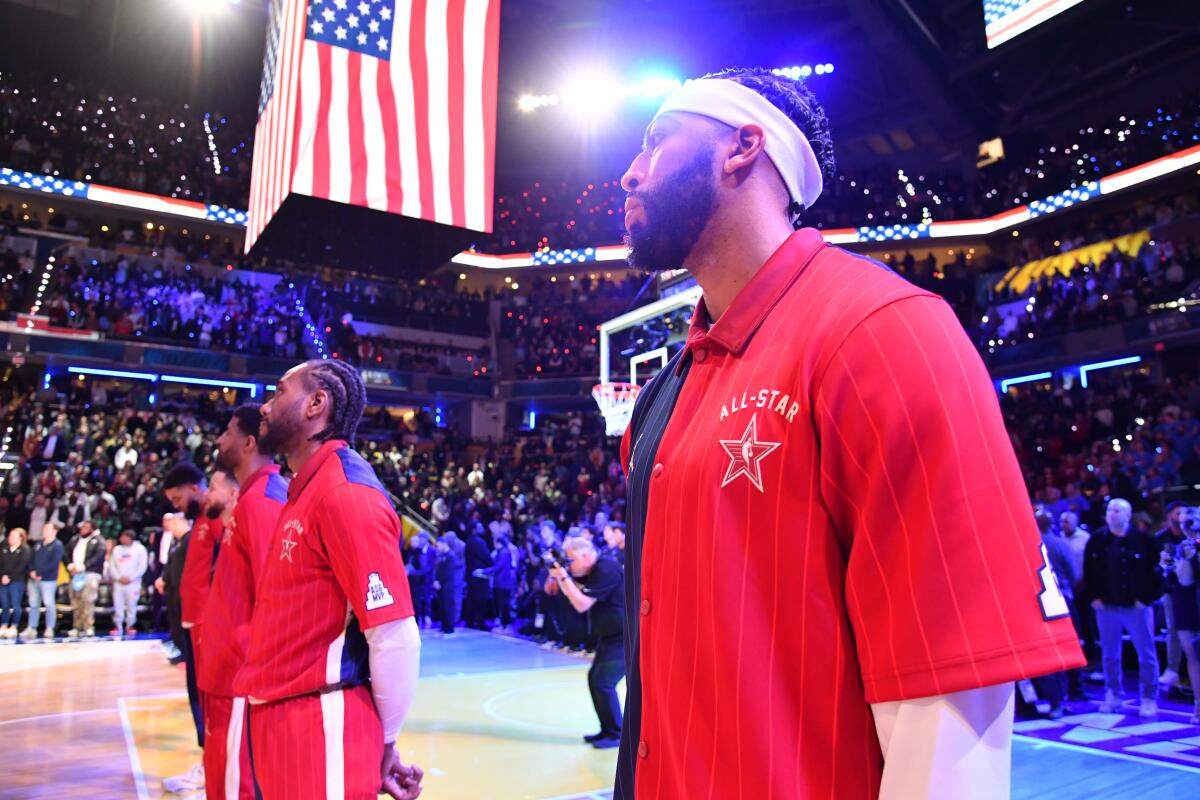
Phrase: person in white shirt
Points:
(126, 565)
(126, 455)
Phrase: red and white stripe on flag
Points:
(387, 104)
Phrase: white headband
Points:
(737, 105)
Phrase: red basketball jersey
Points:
(197, 576)
(834, 518)
(333, 570)
(239, 565)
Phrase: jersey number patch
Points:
(1054, 605)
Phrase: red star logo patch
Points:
(747, 454)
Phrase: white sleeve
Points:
(950, 746)
(395, 656)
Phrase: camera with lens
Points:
(555, 555)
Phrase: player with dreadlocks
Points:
(334, 651)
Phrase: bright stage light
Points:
(207, 7)
(592, 93)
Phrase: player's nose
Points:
(633, 176)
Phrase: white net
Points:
(616, 405)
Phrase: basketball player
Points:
(334, 649)
(833, 572)
(248, 477)
(187, 490)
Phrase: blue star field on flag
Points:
(364, 26)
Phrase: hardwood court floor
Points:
(495, 719)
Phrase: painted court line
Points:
(135, 763)
(1154, 762)
(40, 717)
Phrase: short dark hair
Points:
(246, 419)
(185, 473)
(227, 472)
(347, 396)
(793, 97)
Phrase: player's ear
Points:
(744, 148)
(318, 402)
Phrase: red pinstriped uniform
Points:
(227, 617)
(333, 569)
(197, 576)
(825, 512)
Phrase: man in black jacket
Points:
(479, 557)
(168, 584)
(1122, 580)
(84, 558)
(451, 567)
(421, 562)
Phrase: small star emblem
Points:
(340, 33)
(747, 454)
(318, 27)
(383, 45)
(362, 39)
(289, 544)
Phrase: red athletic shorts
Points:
(318, 746)
(225, 732)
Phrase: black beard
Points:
(278, 435)
(675, 213)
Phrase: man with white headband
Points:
(833, 575)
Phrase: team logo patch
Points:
(378, 595)
(289, 543)
(746, 455)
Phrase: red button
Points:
(658, 470)
(700, 354)
(643, 749)
(645, 607)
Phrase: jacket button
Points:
(645, 607)
(658, 470)
(643, 749)
(700, 354)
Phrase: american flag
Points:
(387, 104)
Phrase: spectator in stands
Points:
(46, 556)
(451, 567)
(126, 565)
(85, 555)
(1053, 687)
(1183, 584)
(503, 573)
(1170, 537)
(14, 570)
(1122, 581)
(422, 561)
(478, 559)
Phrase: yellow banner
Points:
(1063, 263)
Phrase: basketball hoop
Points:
(616, 404)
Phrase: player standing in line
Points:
(248, 477)
(334, 649)
(833, 575)
(186, 489)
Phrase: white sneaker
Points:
(1111, 704)
(48, 633)
(72, 634)
(29, 633)
(1148, 709)
(189, 781)
(1168, 679)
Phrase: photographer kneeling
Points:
(595, 586)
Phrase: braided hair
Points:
(793, 97)
(347, 396)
